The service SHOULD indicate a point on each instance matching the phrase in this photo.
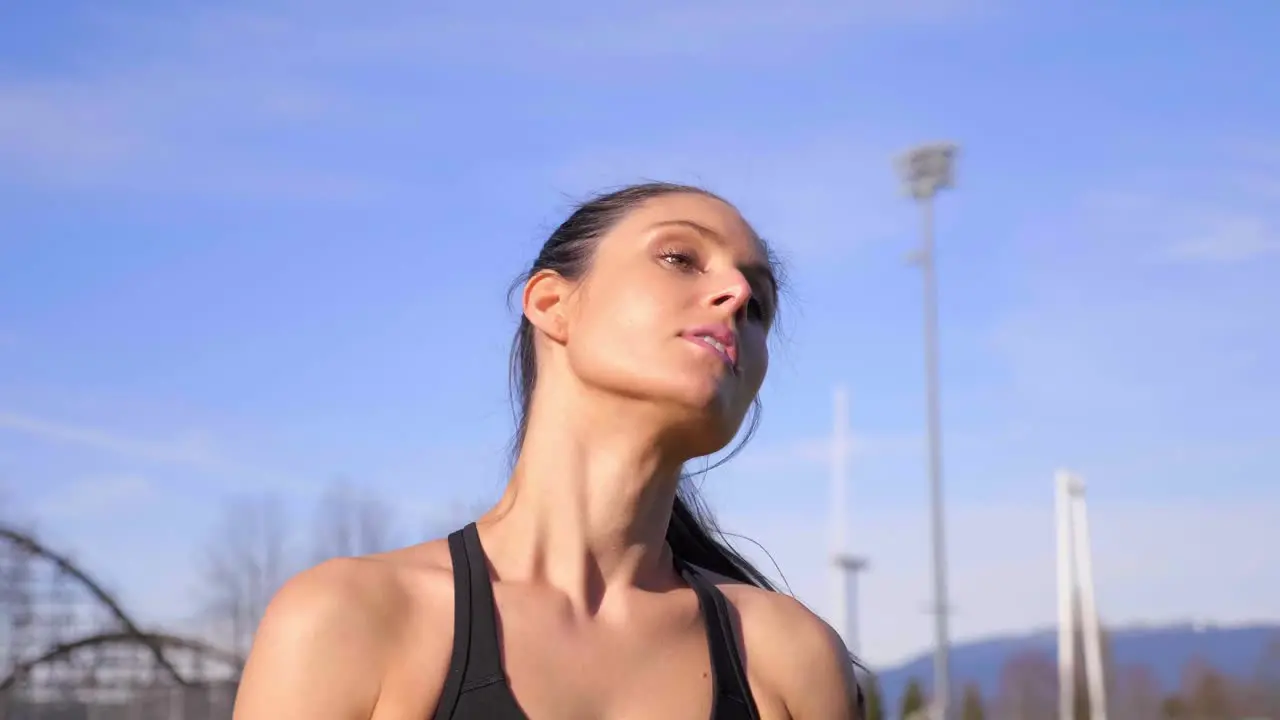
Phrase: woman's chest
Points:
(646, 669)
(656, 664)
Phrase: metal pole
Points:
(1088, 606)
(838, 512)
(852, 565)
(1066, 598)
(845, 564)
(852, 641)
(941, 658)
(925, 170)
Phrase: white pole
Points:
(838, 510)
(925, 170)
(1066, 598)
(1089, 609)
(852, 641)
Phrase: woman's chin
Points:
(705, 405)
(699, 406)
(709, 420)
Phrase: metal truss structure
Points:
(69, 650)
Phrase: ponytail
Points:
(693, 534)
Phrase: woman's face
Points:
(675, 310)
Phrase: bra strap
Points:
(461, 628)
(728, 672)
(477, 656)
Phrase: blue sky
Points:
(251, 247)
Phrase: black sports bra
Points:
(476, 687)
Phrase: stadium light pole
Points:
(925, 170)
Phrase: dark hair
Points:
(693, 534)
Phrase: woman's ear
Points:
(545, 304)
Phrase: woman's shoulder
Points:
(378, 592)
(793, 651)
(341, 626)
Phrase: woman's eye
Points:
(681, 260)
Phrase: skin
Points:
(595, 621)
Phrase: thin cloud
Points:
(95, 496)
(193, 451)
(62, 130)
(525, 37)
(1229, 240)
(1121, 315)
(1241, 224)
(174, 97)
(190, 450)
(131, 132)
(1260, 184)
(1221, 215)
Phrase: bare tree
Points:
(1137, 694)
(1173, 707)
(245, 563)
(873, 698)
(1208, 693)
(1028, 687)
(971, 707)
(350, 522)
(1266, 680)
(913, 700)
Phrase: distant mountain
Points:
(1165, 650)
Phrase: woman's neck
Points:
(588, 504)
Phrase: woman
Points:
(592, 590)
